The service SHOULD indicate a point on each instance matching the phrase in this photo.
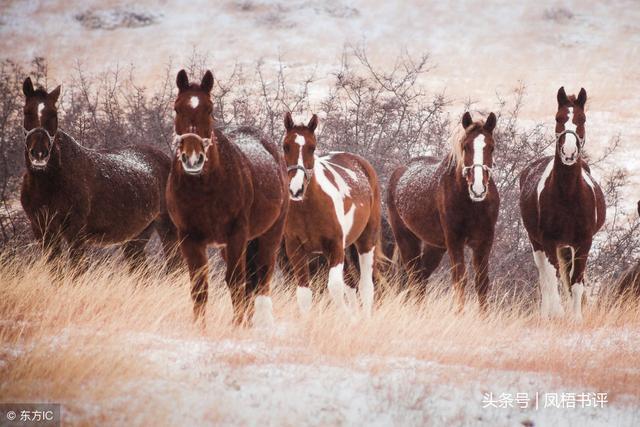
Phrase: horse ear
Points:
(466, 120)
(54, 94)
(207, 82)
(182, 81)
(27, 87)
(288, 121)
(563, 99)
(490, 123)
(313, 123)
(582, 97)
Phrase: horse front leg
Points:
(481, 268)
(236, 274)
(577, 279)
(458, 272)
(335, 284)
(300, 265)
(194, 253)
(546, 261)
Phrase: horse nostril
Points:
(33, 152)
(45, 153)
(184, 158)
(201, 158)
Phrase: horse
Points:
(227, 191)
(562, 207)
(437, 206)
(335, 202)
(91, 197)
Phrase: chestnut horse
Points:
(228, 191)
(562, 208)
(88, 196)
(335, 202)
(438, 206)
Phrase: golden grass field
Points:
(120, 348)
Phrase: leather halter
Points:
(581, 141)
(308, 173)
(28, 133)
(465, 169)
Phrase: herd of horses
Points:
(241, 192)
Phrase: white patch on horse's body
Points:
(352, 174)
(40, 109)
(304, 296)
(543, 180)
(365, 285)
(336, 286)
(337, 193)
(589, 181)
(577, 291)
(478, 159)
(263, 312)
(194, 102)
(549, 296)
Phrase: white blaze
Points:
(297, 182)
(570, 146)
(40, 108)
(478, 159)
(194, 102)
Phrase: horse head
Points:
(193, 105)
(476, 155)
(40, 110)
(299, 146)
(570, 120)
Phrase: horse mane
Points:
(455, 155)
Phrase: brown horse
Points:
(228, 191)
(87, 196)
(439, 206)
(562, 208)
(335, 202)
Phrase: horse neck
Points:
(566, 179)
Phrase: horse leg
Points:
(335, 284)
(236, 274)
(480, 260)
(77, 252)
(577, 279)
(300, 264)
(168, 235)
(546, 261)
(351, 267)
(409, 245)
(429, 261)
(134, 249)
(195, 254)
(455, 248)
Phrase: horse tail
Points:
(566, 261)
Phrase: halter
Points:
(568, 131)
(476, 165)
(28, 133)
(308, 173)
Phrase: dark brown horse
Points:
(87, 196)
(562, 208)
(335, 202)
(228, 191)
(438, 206)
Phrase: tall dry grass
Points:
(109, 344)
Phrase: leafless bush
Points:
(384, 115)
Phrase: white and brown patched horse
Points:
(437, 206)
(562, 208)
(335, 202)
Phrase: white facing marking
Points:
(40, 108)
(304, 296)
(337, 194)
(590, 183)
(543, 180)
(576, 293)
(478, 159)
(570, 125)
(297, 182)
(263, 312)
(549, 296)
(365, 285)
(194, 102)
(336, 286)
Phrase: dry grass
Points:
(107, 339)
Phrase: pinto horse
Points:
(228, 191)
(437, 206)
(562, 207)
(88, 196)
(335, 202)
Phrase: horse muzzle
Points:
(192, 167)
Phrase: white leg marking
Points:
(352, 298)
(304, 297)
(365, 285)
(550, 298)
(263, 312)
(336, 286)
(577, 290)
